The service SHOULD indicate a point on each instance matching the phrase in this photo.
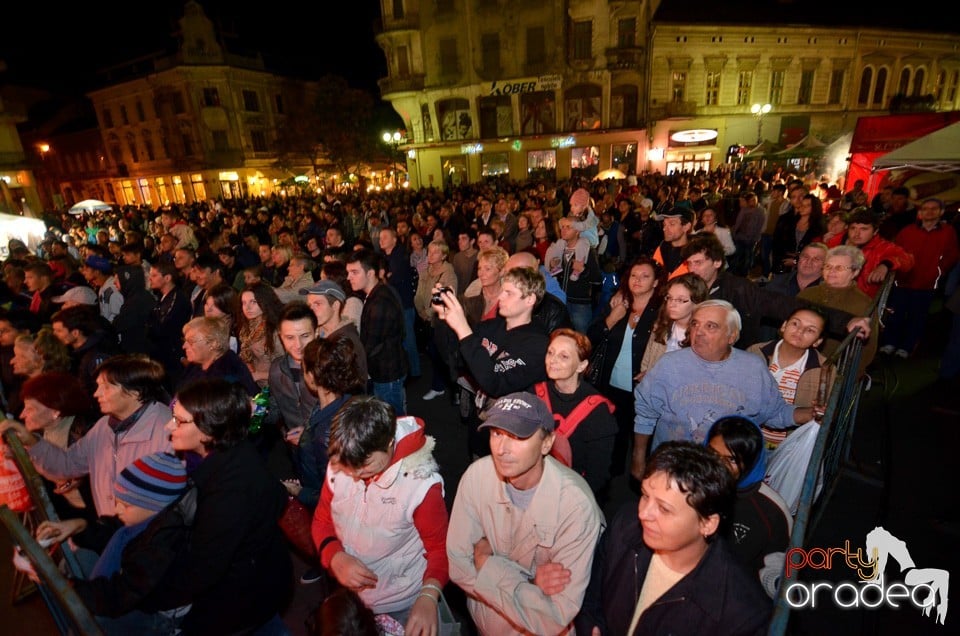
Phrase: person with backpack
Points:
(585, 426)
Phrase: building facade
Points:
(559, 88)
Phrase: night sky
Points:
(57, 45)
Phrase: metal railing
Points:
(840, 387)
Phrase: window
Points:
(918, 80)
(626, 32)
(178, 193)
(490, 52)
(141, 116)
(496, 116)
(538, 113)
(776, 87)
(196, 184)
(536, 45)
(542, 164)
(952, 86)
(220, 140)
(585, 162)
(211, 97)
(454, 170)
(148, 145)
(186, 138)
(494, 164)
(713, 88)
(582, 40)
(806, 87)
(744, 87)
(427, 120)
(449, 64)
(623, 107)
(836, 86)
(880, 89)
(132, 148)
(128, 191)
(278, 104)
(258, 140)
(863, 95)
(107, 118)
(123, 115)
(624, 157)
(397, 9)
(456, 122)
(144, 187)
(904, 87)
(679, 87)
(251, 103)
(582, 107)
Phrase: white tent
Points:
(937, 152)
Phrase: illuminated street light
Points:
(393, 139)
(759, 111)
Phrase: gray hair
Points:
(855, 254)
(734, 323)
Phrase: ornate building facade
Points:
(559, 88)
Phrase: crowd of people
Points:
(209, 387)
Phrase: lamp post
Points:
(393, 139)
(759, 110)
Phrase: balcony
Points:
(409, 22)
(673, 109)
(13, 160)
(624, 58)
(400, 84)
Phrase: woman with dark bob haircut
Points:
(238, 571)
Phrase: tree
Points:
(336, 127)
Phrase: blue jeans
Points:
(410, 340)
(580, 316)
(393, 394)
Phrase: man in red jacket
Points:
(882, 256)
(933, 245)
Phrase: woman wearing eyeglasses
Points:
(839, 290)
(237, 570)
(670, 329)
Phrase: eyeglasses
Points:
(181, 422)
(836, 268)
(678, 301)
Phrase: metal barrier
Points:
(831, 452)
(71, 615)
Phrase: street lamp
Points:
(393, 139)
(759, 110)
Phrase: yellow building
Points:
(551, 89)
(198, 125)
(17, 181)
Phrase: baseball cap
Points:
(519, 413)
(326, 288)
(98, 263)
(152, 482)
(81, 294)
(684, 214)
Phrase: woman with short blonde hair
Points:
(206, 345)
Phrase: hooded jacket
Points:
(138, 303)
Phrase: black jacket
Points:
(236, 570)
(138, 304)
(551, 313)
(597, 331)
(718, 597)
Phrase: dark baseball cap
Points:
(684, 214)
(99, 263)
(520, 414)
(326, 288)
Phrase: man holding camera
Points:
(506, 353)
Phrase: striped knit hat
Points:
(152, 482)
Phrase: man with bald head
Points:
(551, 312)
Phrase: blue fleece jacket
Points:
(683, 395)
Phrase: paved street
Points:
(921, 505)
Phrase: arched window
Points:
(918, 79)
(880, 88)
(863, 96)
(904, 87)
